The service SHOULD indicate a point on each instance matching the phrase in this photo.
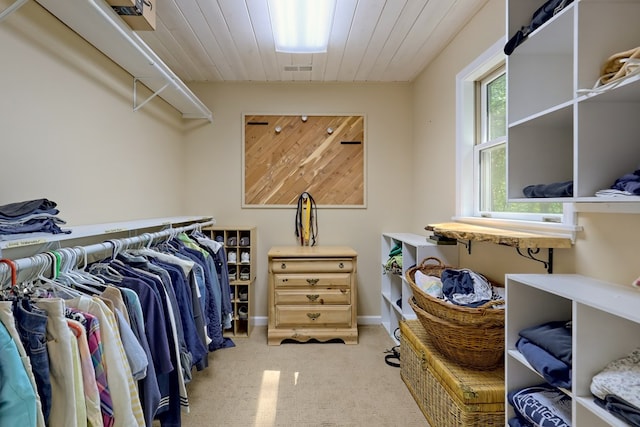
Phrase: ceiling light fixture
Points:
(301, 26)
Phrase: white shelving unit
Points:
(606, 327)
(96, 22)
(395, 288)
(555, 131)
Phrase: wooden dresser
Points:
(312, 294)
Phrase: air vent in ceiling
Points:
(298, 68)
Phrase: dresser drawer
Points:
(310, 280)
(312, 296)
(313, 316)
(311, 265)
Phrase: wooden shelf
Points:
(517, 239)
(532, 242)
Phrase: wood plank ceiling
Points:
(370, 40)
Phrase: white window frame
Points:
(467, 172)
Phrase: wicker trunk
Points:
(448, 395)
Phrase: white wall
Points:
(214, 158)
(69, 133)
(607, 247)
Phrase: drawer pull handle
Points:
(312, 282)
(313, 316)
(283, 266)
(341, 265)
(313, 297)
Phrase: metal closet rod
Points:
(12, 8)
(24, 266)
(154, 60)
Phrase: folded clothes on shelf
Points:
(555, 189)
(24, 219)
(542, 405)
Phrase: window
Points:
(490, 154)
(482, 153)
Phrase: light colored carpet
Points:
(310, 384)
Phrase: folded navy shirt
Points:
(554, 337)
(556, 189)
(554, 371)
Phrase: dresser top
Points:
(314, 251)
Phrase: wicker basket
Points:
(483, 316)
(448, 394)
(471, 346)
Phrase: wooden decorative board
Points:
(287, 155)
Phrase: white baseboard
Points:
(369, 320)
(261, 321)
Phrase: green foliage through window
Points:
(493, 157)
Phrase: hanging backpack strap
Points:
(306, 220)
(298, 220)
(313, 220)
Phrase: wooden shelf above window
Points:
(518, 239)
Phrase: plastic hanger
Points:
(13, 274)
(72, 279)
(48, 261)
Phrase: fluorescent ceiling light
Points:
(301, 26)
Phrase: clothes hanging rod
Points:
(108, 15)
(25, 265)
(12, 8)
(100, 25)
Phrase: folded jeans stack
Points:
(22, 219)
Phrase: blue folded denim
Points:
(27, 218)
(33, 226)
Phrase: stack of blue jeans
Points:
(22, 219)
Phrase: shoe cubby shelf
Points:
(396, 291)
(557, 131)
(240, 247)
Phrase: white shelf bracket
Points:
(10, 9)
(135, 94)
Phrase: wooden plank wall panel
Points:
(303, 156)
